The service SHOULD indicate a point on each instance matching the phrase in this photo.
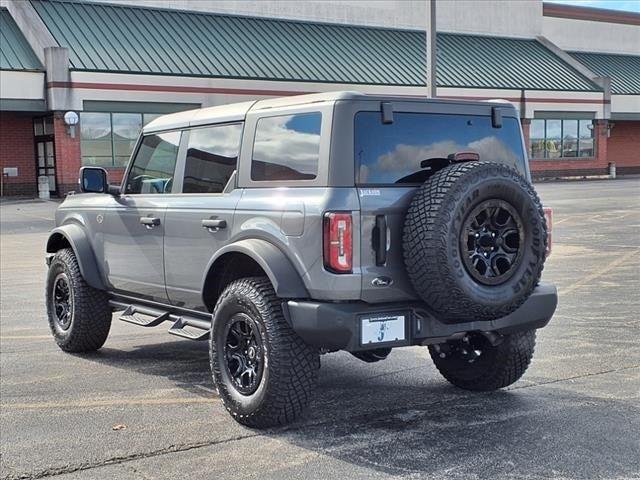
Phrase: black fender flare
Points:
(286, 281)
(76, 237)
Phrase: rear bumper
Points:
(336, 326)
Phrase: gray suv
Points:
(283, 229)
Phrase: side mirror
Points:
(94, 180)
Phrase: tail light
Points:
(548, 215)
(338, 242)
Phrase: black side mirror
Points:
(93, 180)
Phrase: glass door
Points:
(45, 151)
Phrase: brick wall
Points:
(624, 146)
(68, 160)
(17, 150)
(597, 165)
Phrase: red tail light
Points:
(548, 215)
(338, 242)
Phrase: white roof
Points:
(237, 111)
(201, 116)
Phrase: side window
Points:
(287, 147)
(154, 165)
(212, 157)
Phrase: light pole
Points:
(430, 50)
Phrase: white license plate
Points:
(382, 329)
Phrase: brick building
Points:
(573, 72)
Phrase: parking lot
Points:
(574, 415)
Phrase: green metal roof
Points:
(124, 38)
(624, 70)
(475, 61)
(164, 41)
(15, 52)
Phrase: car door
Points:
(199, 220)
(133, 227)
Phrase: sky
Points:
(624, 5)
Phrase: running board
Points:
(144, 317)
(191, 328)
(184, 325)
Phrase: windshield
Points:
(393, 153)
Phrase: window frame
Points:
(181, 164)
(562, 157)
(176, 188)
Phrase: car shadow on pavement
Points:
(408, 421)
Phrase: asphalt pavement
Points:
(144, 407)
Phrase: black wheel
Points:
(474, 364)
(263, 371)
(474, 241)
(372, 356)
(79, 315)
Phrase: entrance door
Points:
(45, 151)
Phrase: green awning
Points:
(624, 70)
(123, 38)
(15, 51)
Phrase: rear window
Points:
(287, 147)
(393, 153)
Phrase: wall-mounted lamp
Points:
(610, 126)
(71, 119)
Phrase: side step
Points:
(191, 328)
(143, 316)
(185, 326)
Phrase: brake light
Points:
(338, 242)
(548, 215)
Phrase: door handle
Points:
(150, 222)
(380, 239)
(213, 225)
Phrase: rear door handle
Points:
(380, 239)
(213, 225)
(150, 222)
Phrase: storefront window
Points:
(95, 139)
(561, 138)
(107, 139)
(126, 128)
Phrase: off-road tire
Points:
(497, 367)
(290, 366)
(90, 312)
(434, 228)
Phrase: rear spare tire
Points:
(474, 241)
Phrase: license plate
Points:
(382, 329)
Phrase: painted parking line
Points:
(116, 402)
(599, 273)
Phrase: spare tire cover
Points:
(474, 241)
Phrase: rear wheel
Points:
(474, 364)
(79, 315)
(263, 371)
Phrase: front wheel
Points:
(79, 315)
(473, 363)
(263, 371)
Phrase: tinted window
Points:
(393, 153)
(212, 157)
(153, 168)
(287, 147)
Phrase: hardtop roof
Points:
(236, 112)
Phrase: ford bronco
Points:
(282, 229)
